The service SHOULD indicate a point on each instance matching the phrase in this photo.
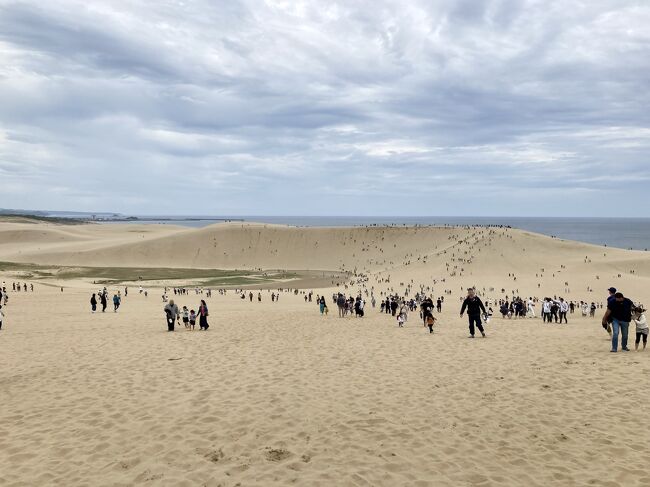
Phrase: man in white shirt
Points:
(546, 310)
(531, 308)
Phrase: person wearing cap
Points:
(641, 327)
(620, 311)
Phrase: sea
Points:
(624, 233)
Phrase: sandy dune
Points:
(275, 394)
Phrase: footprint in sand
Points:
(277, 455)
(214, 455)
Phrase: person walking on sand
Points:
(610, 298)
(2, 316)
(641, 328)
(393, 306)
(426, 308)
(564, 308)
(546, 310)
(116, 302)
(400, 320)
(185, 314)
(171, 313)
(474, 307)
(427, 311)
(555, 308)
(203, 316)
(430, 321)
(93, 303)
(530, 308)
(340, 302)
(620, 312)
(104, 301)
(192, 319)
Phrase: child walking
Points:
(192, 319)
(400, 320)
(431, 320)
(641, 328)
(186, 317)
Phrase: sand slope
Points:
(279, 396)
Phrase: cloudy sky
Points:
(289, 107)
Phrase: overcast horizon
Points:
(375, 108)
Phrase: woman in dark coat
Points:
(203, 316)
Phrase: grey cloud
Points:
(68, 38)
(312, 107)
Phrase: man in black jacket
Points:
(340, 302)
(393, 306)
(426, 308)
(619, 310)
(474, 306)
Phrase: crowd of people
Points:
(620, 311)
(173, 316)
(102, 295)
(4, 295)
(17, 287)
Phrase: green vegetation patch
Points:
(116, 275)
(17, 218)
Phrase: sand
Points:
(275, 394)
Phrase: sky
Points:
(367, 107)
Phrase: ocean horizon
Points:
(625, 233)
